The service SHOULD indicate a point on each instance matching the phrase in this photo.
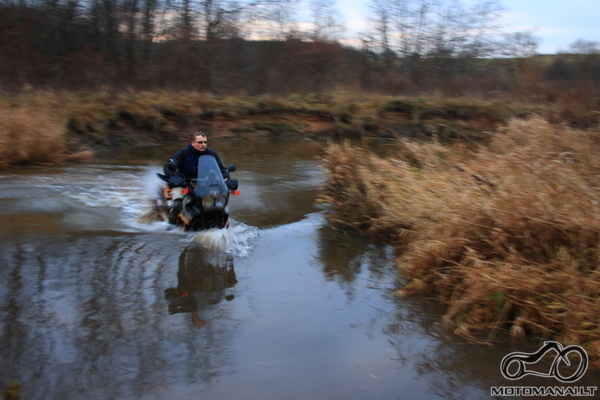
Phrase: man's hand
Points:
(176, 180)
(171, 166)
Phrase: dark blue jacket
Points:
(185, 161)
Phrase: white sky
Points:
(557, 23)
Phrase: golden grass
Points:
(507, 236)
(31, 133)
(27, 137)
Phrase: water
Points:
(278, 306)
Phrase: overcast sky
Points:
(557, 23)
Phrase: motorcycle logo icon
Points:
(562, 356)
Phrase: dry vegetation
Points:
(34, 131)
(57, 126)
(104, 120)
(32, 137)
(508, 236)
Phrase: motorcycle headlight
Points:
(220, 201)
(208, 201)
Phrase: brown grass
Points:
(507, 236)
(105, 119)
(30, 135)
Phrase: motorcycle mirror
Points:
(163, 177)
(231, 168)
(232, 184)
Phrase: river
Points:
(297, 310)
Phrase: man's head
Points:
(199, 141)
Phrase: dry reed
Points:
(507, 236)
(30, 136)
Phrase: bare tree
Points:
(149, 11)
(584, 47)
(221, 19)
(105, 17)
(519, 48)
(380, 40)
(417, 28)
(326, 23)
(273, 19)
(520, 45)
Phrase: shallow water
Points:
(282, 306)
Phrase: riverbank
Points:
(506, 236)
(77, 126)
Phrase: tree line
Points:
(262, 46)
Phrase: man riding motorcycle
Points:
(183, 167)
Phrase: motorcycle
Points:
(200, 203)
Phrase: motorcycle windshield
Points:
(210, 179)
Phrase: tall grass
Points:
(30, 135)
(508, 236)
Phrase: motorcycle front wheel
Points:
(176, 208)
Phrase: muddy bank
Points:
(100, 123)
(130, 125)
(139, 118)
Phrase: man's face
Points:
(200, 142)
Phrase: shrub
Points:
(506, 236)
(27, 136)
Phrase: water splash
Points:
(236, 240)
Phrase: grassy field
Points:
(507, 236)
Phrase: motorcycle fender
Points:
(177, 193)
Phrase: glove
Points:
(176, 180)
(170, 167)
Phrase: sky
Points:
(556, 23)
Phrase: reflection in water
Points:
(424, 354)
(203, 279)
(84, 317)
(344, 255)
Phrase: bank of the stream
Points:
(64, 126)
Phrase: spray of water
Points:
(152, 183)
(152, 188)
(236, 241)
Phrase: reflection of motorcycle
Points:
(200, 203)
(203, 280)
